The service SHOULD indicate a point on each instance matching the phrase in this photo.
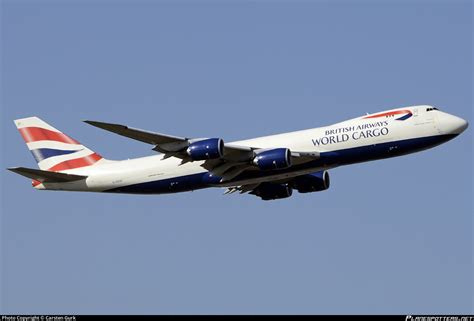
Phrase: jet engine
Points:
(278, 158)
(269, 191)
(314, 182)
(206, 149)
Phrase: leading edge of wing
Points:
(137, 134)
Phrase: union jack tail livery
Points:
(53, 150)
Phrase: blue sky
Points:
(392, 236)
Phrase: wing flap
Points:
(241, 189)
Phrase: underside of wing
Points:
(283, 188)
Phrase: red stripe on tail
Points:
(34, 134)
(76, 163)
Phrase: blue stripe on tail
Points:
(43, 153)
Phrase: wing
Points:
(234, 159)
(167, 144)
(163, 143)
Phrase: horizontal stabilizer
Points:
(46, 176)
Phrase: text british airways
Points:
(343, 134)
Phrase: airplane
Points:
(270, 167)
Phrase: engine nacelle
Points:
(269, 191)
(206, 149)
(309, 183)
(278, 158)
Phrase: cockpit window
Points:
(431, 108)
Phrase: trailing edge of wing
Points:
(241, 189)
(46, 176)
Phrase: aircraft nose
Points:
(453, 124)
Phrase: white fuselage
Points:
(364, 138)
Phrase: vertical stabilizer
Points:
(52, 149)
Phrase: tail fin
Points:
(53, 150)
